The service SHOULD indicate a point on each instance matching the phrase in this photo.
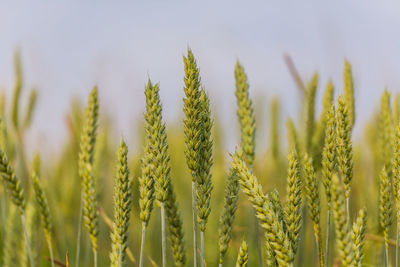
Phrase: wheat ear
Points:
(385, 209)
(204, 184)
(293, 202)
(243, 256)
(269, 219)
(349, 92)
(358, 236)
(310, 111)
(342, 226)
(85, 168)
(228, 214)
(247, 123)
(122, 208)
(328, 167)
(192, 131)
(344, 149)
(43, 205)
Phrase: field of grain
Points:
(317, 196)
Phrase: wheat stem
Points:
(397, 245)
(95, 257)
(48, 238)
(202, 258)
(78, 239)
(28, 243)
(194, 223)
(328, 224)
(141, 258)
(163, 236)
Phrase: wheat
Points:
(396, 177)
(344, 148)
(385, 208)
(243, 255)
(358, 236)
(310, 111)
(269, 220)
(343, 233)
(122, 208)
(88, 140)
(349, 93)
(247, 121)
(313, 201)
(41, 200)
(175, 228)
(228, 214)
(293, 203)
(192, 131)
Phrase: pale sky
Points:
(69, 46)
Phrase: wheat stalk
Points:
(205, 161)
(87, 143)
(328, 167)
(228, 214)
(385, 209)
(43, 205)
(192, 131)
(247, 121)
(396, 177)
(313, 201)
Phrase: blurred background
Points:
(67, 47)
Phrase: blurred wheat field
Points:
(91, 202)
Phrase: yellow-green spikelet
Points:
(344, 145)
(243, 256)
(246, 114)
(192, 110)
(87, 143)
(204, 185)
(122, 208)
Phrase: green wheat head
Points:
(396, 172)
(358, 236)
(294, 142)
(342, 226)
(146, 187)
(329, 153)
(293, 202)
(344, 145)
(385, 203)
(157, 142)
(243, 256)
(386, 132)
(320, 132)
(19, 83)
(41, 198)
(175, 227)
(192, 109)
(246, 114)
(228, 213)
(12, 183)
(85, 168)
(268, 218)
(310, 111)
(122, 208)
(205, 161)
(349, 93)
